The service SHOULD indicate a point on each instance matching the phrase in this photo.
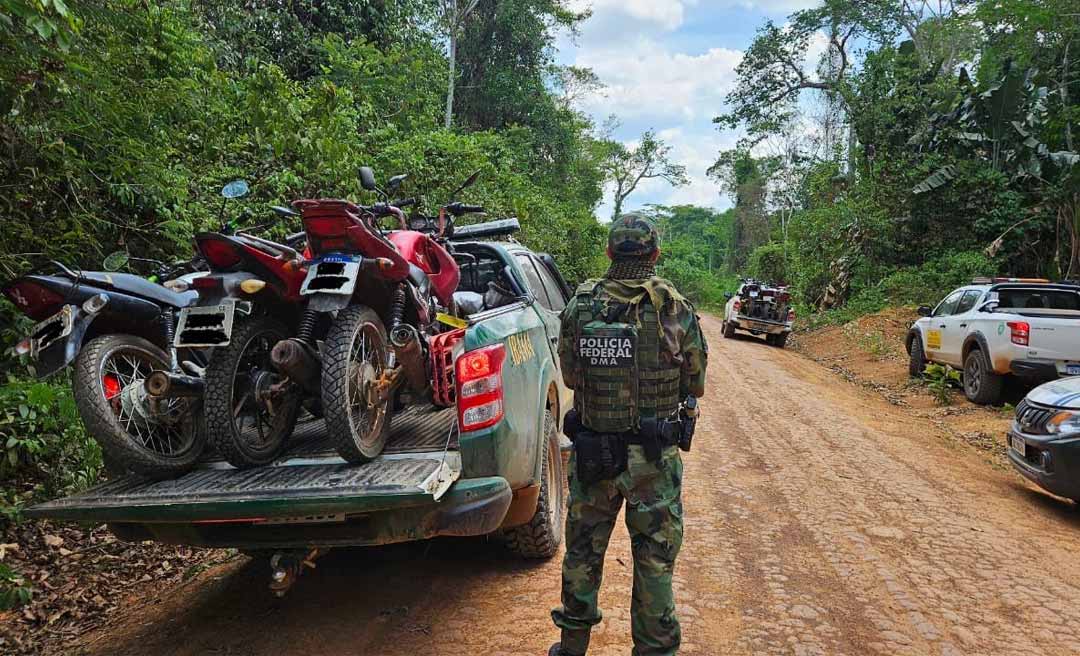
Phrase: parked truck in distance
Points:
(992, 328)
(760, 308)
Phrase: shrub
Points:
(939, 379)
(769, 263)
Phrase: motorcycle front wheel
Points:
(157, 439)
(251, 410)
(356, 355)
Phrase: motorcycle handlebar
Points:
(457, 209)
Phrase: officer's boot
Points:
(573, 643)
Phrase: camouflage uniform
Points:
(653, 490)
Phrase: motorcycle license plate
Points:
(332, 274)
(205, 326)
(753, 294)
(1072, 370)
(51, 330)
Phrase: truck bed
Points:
(309, 478)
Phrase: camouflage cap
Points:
(633, 235)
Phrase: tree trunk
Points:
(453, 66)
(1070, 214)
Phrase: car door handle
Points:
(554, 341)
(963, 325)
(941, 326)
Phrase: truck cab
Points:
(487, 460)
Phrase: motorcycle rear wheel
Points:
(355, 356)
(158, 440)
(247, 420)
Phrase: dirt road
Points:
(820, 520)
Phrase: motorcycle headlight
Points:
(1064, 423)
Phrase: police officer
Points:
(632, 351)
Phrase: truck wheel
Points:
(355, 356)
(107, 383)
(247, 418)
(729, 329)
(917, 359)
(541, 537)
(779, 341)
(981, 384)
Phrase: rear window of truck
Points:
(1038, 299)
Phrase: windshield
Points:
(1038, 299)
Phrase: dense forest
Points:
(890, 148)
(929, 142)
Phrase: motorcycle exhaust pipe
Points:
(294, 358)
(405, 341)
(168, 385)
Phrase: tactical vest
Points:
(624, 373)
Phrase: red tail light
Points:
(221, 254)
(34, 300)
(206, 282)
(736, 306)
(1021, 332)
(791, 315)
(327, 226)
(479, 387)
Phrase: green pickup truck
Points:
(462, 471)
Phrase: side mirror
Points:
(728, 295)
(115, 261)
(367, 178)
(235, 189)
(925, 311)
(470, 181)
(393, 183)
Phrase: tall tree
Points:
(453, 18)
(649, 160)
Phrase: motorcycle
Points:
(117, 328)
(249, 302)
(381, 293)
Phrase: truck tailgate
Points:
(1055, 338)
(418, 466)
(269, 493)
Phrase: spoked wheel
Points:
(158, 439)
(356, 400)
(250, 409)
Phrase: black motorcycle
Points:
(117, 328)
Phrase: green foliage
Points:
(769, 263)
(940, 379)
(45, 444)
(14, 589)
(992, 156)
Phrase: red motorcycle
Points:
(385, 290)
(249, 302)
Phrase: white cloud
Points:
(643, 79)
(667, 14)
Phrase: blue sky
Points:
(667, 65)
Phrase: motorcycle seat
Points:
(133, 285)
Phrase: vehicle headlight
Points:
(1064, 423)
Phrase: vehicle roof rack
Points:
(486, 230)
(985, 280)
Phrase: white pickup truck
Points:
(760, 308)
(1025, 327)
